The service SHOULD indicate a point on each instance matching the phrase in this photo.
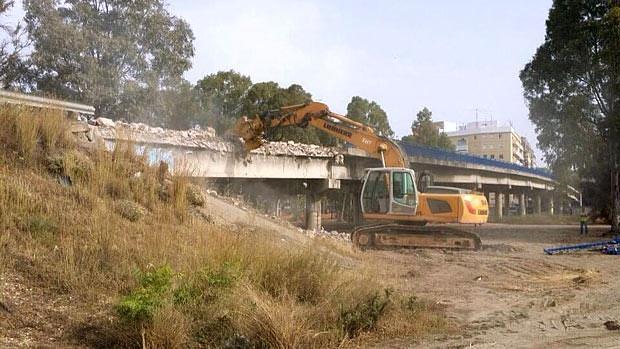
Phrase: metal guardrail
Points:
(40, 102)
(441, 154)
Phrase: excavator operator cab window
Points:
(389, 191)
(403, 193)
(376, 194)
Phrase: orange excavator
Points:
(394, 212)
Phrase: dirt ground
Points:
(508, 295)
(512, 295)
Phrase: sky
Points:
(451, 56)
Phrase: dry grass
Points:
(91, 221)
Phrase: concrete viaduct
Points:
(507, 186)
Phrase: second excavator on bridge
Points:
(394, 211)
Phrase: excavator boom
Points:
(318, 115)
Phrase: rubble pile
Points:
(198, 138)
(333, 234)
(142, 133)
(296, 149)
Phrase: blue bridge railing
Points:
(441, 154)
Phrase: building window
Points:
(461, 145)
(492, 156)
(501, 156)
(500, 135)
(484, 156)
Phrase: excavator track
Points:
(394, 235)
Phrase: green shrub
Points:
(186, 294)
(39, 225)
(364, 315)
(221, 277)
(140, 305)
(214, 281)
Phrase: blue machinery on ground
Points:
(606, 247)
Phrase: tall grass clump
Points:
(25, 133)
(127, 242)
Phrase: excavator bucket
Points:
(250, 131)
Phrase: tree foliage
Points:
(127, 59)
(572, 86)
(371, 114)
(265, 96)
(13, 67)
(222, 96)
(424, 132)
(114, 54)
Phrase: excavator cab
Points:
(389, 191)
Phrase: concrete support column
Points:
(507, 204)
(537, 204)
(551, 205)
(487, 195)
(313, 211)
(499, 205)
(278, 207)
(522, 204)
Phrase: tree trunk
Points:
(143, 335)
(615, 198)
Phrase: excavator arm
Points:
(318, 115)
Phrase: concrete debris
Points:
(105, 122)
(296, 149)
(198, 138)
(328, 234)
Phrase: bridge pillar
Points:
(522, 205)
(499, 204)
(537, 204)
(487, 195)
(507, 204)
(278, 208)
(313, 211)
(551, 205)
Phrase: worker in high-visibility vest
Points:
(583, 220)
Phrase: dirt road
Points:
(512, 295)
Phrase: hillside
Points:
(98, 249)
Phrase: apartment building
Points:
(491, 140)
